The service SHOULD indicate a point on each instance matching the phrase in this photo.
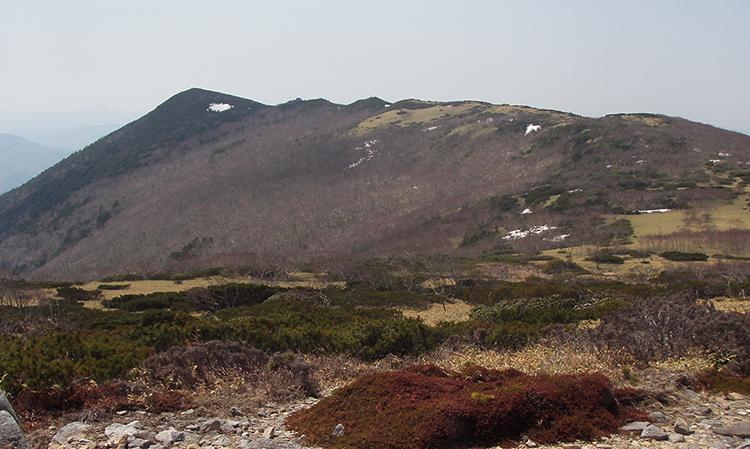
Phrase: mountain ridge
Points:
(191, 184)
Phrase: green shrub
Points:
(606, 256)
(677, 256)
(113, 286)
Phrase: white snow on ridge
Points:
(653, 211)
(370, 153)
(519, 234)
(532, 128)
(219, 107)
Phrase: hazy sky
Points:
(683, 58)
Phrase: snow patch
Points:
(653, 211)
(526, 211)
(369, 153)
(558, 239)
(532, 128)
(219, 107)
(519, 234)
(725, 154)
(431, 128)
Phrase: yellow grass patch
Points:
(455, 310)
(646, 120)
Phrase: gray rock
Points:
(269, 433)
(116, 431)
(740, 430)
(700, 410)
(234, 411)
(10, 432)
(73, 431)
(652, 432)
(676, 438)
(681, 426)
(709, 423)
(656, 416)
(5, 405)
(270, 444)
(211, 425)
(338, 430)
(689, 395)
(170, 436)
(634, 427)
(139, 443)
(717, 445)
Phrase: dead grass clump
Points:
(208, 365)
(427, 407)
(186, 367)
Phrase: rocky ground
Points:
(690, 421)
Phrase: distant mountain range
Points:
(209, 179)
(21, 160)
(69, 130)
(31, 142)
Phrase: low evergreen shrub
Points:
(677, 256)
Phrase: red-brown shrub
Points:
(109, 397)
(427, 407)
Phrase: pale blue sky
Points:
(682, 58)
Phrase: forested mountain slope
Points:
(212, 179)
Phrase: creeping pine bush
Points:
(426, 407)
(671, 326)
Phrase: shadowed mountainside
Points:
(196, 182)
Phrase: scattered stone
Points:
(656, 416)
(222, 441)
(10, 432)
(264, 414)
(269, 433)
(740, 430)
(169, 437)
(676, 438)
(681, 427)
(138, 443)
(5, 405)
(652, 432)
(700, 410)
(75, 431)
(530, 443)
(234, 411)
(690, 395)
(270, 444)
(338, 430)
(211, 425)
(634, 427)
(709, 423)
